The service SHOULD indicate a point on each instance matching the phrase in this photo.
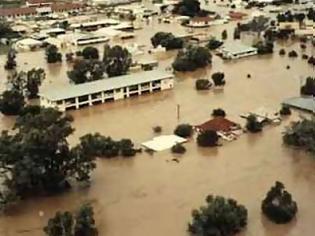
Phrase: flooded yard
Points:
(150, 195)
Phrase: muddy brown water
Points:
(153, 196)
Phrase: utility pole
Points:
(178, 112)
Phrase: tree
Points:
(34, 80)
(65, 224)
(301, 134)
(203, 84)
(292, 54)
(282, 52)
(188, 8)
(5, 29)
(218, 113)
(214, 44)
(224, 35)
(309, 87)
(10, 63)
(218, 78)
(178, 149)
(101, 146)
(264, 47)
(207, 138)
(184, 130)
(219, 217)
(167, 40)
(117, 60)
(11, 102)
(278, 205)
(86, 71)
(90, 53)
(192, 58)
(285, 110)
(252, 125)
(52, 54)
(36, 157)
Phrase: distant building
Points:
(38, 3)
(306, 103)
(41, 10)
(200, 22)
(236, 50)
(237, 15)
(101, 91)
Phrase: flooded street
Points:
(152, 195)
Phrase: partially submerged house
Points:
(226, 129)
(105, 90)
(236, 50)
(163, 142)
(200, 22)
(264, 115)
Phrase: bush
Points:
(214, 44)
(311, 60)
(218, 79)
(178, 149)
(184, 130)
(282, 52)
(303, 46)
(264, 48)
(292, 54)
(278, 205)
(208, 138)
(285, 110)
(52, 54)
(203, 84)
(220, 217)
(252, 125)
(218, 113)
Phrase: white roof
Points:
(107, 31)
(163, 142)
(236, 48)
(29, 42)
(94, 23)
(71, 90)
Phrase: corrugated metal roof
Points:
(236, 48)
(71, 90)
(304, 103)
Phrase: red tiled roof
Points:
(234, 14)
(65, 6)
(17, 11)
(202, 19)
(218, 124)
(38, 1)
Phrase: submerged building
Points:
(105, 90)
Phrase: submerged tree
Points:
(285, 110)
(224, 35)
(65, 224)
(203, 84)
(167, 40)
(36, 157)
(178, 149)
(33, 81)
(278, 205)
(301, 134)
(252, 125)
(11, 102)
(207, 138)
(214, 44)
(218, 78)
(86, 71)
(11, 62)
(90, 53)
(218, 113)
(184, 130)
(117, 60)
(309, 87)
(52, 54)
(192, 58)
(220, 217)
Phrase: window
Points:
(84, 98)
(117, 90)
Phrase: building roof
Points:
(39, 1)
(71, 91)
(34, 10)
(202, 19)
(236, 48)
(218, 124)
(303, 103)
(163, 142)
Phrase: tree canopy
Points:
(219, 217)
(36, 157)
(52, 54)
(11, 102)
(192, 58)
(309, 87)
(167, 40)
(86, 71)
(252, 125)
(90, 53)
(184, 130)
(117, 60)
(189, 8)
(67, 224)
(207, 138)
(278, 205)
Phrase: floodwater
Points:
(152, 195)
